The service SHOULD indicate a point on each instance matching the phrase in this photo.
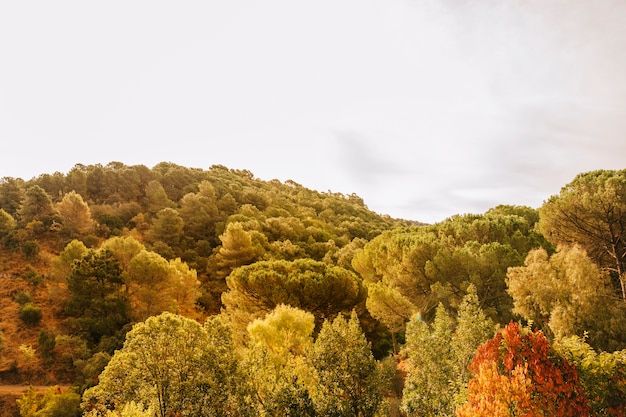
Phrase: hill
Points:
(198, 216)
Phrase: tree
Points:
(185, 286)
(561, 293)
(438, 356)
(427, 265)
(11, 194)
(167, 227)
(37, 205)
(238, 248)
(274, 360)
(75, 215)
(156, 198)
(517, 373)
(200, 213)
(170, 364)
(7, 223)
(349, 381)
(150, 285)
(388, 306)
(124, 249)
(97, 303)
(52, 403)
(602, 375)
(428, 389)
(591, 211)
(322, 289)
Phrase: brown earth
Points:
(15, 367)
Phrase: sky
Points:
(424, 108)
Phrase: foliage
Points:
(438, 356)
(388, 306)
(97, 304)
(7, 223)
(427, 265)
(348, 379)
(46, 342)
(167, 227)
(132, 409)
(591, 211)
(602, 375)
(274, 362)
(75, 215)
(317, 287)
(36, 206)
(168, 363)
(30, 314)
(30, 249)
(562, 293)
(518, 373)
(52, 403)
(23, 297)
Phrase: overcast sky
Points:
(424, 108)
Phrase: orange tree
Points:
(517, 373)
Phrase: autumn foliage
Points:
(517, 373)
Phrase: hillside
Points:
(176, 212)
(278, 281)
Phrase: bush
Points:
(23, 297)
(33, 277)
(30, 248)
(30, 314)
(46, 341)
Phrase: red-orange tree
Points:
(517, 373)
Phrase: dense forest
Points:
(175, 291)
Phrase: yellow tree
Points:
(561, 293)
(75, 215)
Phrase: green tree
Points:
(11, 194)
(349, 381)
(438, 357)
(167, 227)
(97, 303)
(238, 248)
(429, 265)
(156, 198)
(428, 390)
(387, 305)
(124, 249)
(591, 211)
(170, 364)
(602, 375)
(36, 206)
(52, 403)
(61, 268)
(200, 213)
(150, 286)
(322, 289)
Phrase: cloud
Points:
(365, 160)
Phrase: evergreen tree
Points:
(349, 382)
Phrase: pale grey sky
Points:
(425, 108)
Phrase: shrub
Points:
(30, 314)
(23, 297)
(46, 341)
(30, 248)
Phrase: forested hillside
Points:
(182, 291)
